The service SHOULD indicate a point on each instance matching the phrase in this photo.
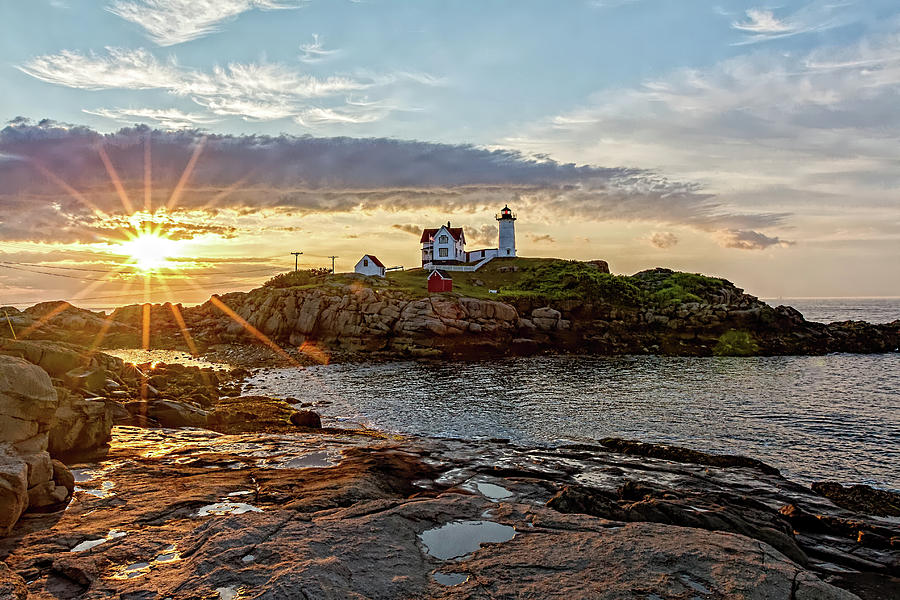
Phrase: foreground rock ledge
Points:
(191, 514)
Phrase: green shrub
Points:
(666, 287)
(736, 343)
(574, 279)
(298, 278)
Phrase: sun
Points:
(150, 251)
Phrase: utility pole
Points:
(296, 258)
(332, 263)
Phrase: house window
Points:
(443, 252)
(365, 263)
(442, 239)
(507, 250)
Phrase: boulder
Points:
(27, 400)
(81, 378)
(245, 414)
(13, 488)
(80, 424)
(169, 413)
(306, 418)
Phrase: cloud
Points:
(768, 131)
(167, 118)
(409, 228)
(314, 52)
(170, 22)
(484, 235)
(663, 239)
(762, 25)
(537, 239)
(252, 91)
(750, 240)
(762, 21)
(243, 176)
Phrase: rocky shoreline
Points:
(163, 480)
(195, 514)
(198, 492)
(350, 318)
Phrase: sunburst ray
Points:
(114, 177)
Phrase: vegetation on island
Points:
(301, 278)
(541, 278)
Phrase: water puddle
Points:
(137, 569)
(131, 571)
(493, 492)
(229, 593)
(88, 544)
(104, 491)
(449, 579)
(226, 508)
(313, 460)
(460, 538)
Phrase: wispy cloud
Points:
(762, 21)
(750, 240)
(253, 91)
(767, 131)
(170, 22)
(762, 25)
(408, 228)
(539, 239)
(314, 51)
(170, 118)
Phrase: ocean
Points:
(831, 417)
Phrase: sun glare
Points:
(150, 251)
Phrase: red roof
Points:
(375, 260)
(428, 234)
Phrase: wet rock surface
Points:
(196, 514)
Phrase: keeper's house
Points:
(445, 247)
(370, 265)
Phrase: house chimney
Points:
(448, 224)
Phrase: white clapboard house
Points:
(370, 265)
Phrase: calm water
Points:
(835, 417)
(828, 310)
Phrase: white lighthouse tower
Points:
(507, 220)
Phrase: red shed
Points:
(439, 281)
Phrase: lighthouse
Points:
(507, 220)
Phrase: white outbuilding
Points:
(370, 265)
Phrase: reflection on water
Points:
(460, 538)
(139, 356)
(835, 416)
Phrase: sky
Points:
(749, 140)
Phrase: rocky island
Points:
(169, 481)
